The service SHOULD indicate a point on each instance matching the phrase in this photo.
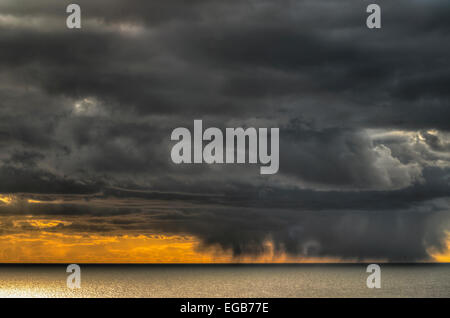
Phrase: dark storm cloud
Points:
(363, 115)
(36, 180)
(405, 235)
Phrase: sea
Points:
(226, 281)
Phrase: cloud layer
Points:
(86, 117)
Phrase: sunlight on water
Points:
(226, 281)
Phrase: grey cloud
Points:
(90, 111)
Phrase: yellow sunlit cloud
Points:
(33, 201)
(41, 224)
(6, 199)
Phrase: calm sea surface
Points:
(225, 281)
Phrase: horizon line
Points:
(234, 264)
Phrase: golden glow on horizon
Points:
(51, 247)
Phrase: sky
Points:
(86, 117)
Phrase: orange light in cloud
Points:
(443, 257)
(34, 201)
(41, 224)
(6, 199)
